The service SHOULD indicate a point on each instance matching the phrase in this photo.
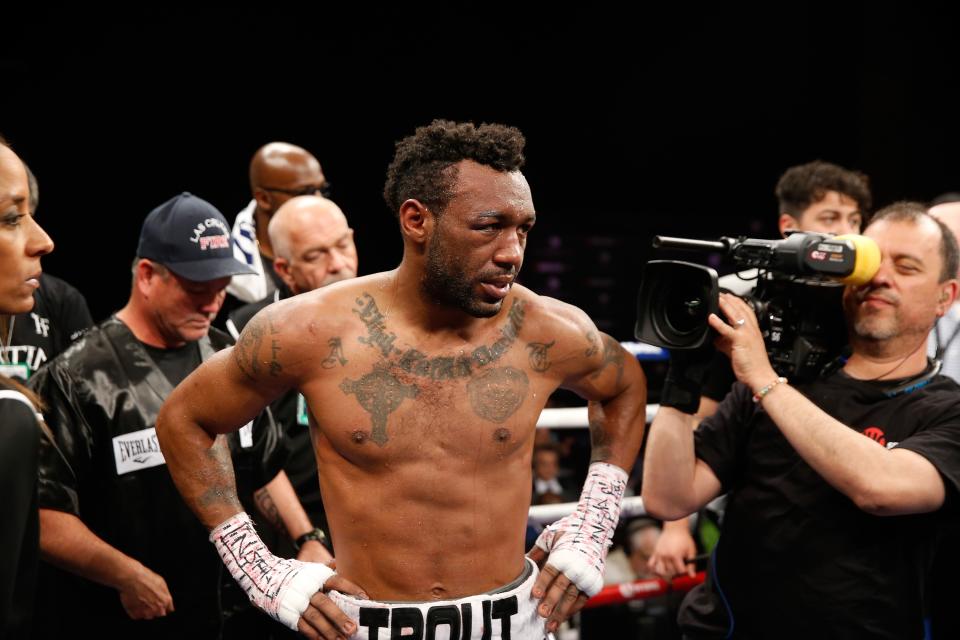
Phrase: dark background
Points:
(675, 120)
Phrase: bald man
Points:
(279, 171)
(945, 337)
(313, 247)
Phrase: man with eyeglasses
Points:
(313, 247)
(279, 171)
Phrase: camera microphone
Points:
(867, 259)
(851, 259)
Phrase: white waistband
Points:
(510, 614)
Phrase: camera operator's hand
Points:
(742, 342)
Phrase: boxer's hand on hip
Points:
(572, 551)
(289, 591)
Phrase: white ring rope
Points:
(576, 417)
(547, 513)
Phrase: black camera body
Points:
(796, 298)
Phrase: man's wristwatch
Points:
(317, 534)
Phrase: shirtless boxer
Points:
(424, 386)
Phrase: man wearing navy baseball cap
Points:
(112, 514)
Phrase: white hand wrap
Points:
(577, 544)
(280, 587)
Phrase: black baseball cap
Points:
(190, 237)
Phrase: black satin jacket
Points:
(103, 395)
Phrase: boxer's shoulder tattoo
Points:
(599, 441)
(377, 334)
(219, 479)
(336, 354)
(246, 353)
(420, 364)
(612, 355)
(593, 344)
(379, 393)
(248, 347)
(539, 360)
(275, 367)
(496, 394)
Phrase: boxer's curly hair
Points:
(423, 165)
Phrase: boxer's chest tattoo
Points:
(494, 394)
(379, 393)
(336, 354)
(377, 336)
(539, 359)
(422, 365)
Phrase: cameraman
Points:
(817, 196)
(835, 487)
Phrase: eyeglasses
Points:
(309, 190)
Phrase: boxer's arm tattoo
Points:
(219, 479)
(612, 355)
(275, 367)
(268, 508)
(599, 440)
(336, 354)
(593, 344)
(539, 360)
(248, 347)
(379, 393)
(495, 395)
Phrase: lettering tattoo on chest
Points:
(420, 364)
(612, 355)
(494, 394)
(377, 334)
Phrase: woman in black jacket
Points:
(22, 243)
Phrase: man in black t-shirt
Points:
(109, 510)
(835, 487)
(819, 197)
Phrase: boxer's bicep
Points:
(218, 397)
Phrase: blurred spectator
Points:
(547, 488)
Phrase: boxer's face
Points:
(22, 241)
(476, 249)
